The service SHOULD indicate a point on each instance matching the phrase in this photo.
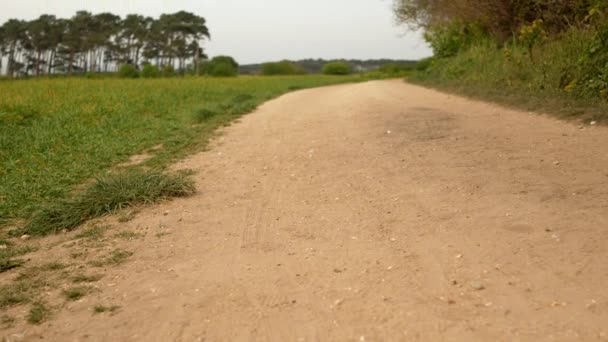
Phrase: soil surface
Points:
(378, 211)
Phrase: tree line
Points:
(102, 42)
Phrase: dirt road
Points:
(379, 211)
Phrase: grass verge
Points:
(56, 134)
(106, 196)
(510, 76)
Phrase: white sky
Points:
(263, 30)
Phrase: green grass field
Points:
(56, 134)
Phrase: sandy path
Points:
(379, 211)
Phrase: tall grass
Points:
(509, 75)
(58, 133)
(107, 195)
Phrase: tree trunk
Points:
(37, 63)
(11, 61)
(51, 62)
(85, 58)
(136, 61)
(93, 59)
(196, 61)
(71, 62)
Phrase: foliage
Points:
(225, 59)
(222, 66)
(168, 71)
(56, 134)
(532, 35)
(337, 68)
(424, 64)
(150, 71)
(591, 73)
(446, 40)
(558, 48)
(508, 75)
(500, 18)
(128, 71)
(395, 69)
(315, 66)
(282, 68)
(100, 43)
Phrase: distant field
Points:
(57, 134)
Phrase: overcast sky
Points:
(257, 31)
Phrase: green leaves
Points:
(93, 43)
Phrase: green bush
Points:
(150, 71)
(282, 68)
(128, 71)
(591, 76)
(222, 70)
(221, 66)
(567, 75)
(447, 39)
(424, 64)
(395, 69)
(168, 71)
(337, 68)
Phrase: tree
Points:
(107, 25)
(2, 46)
(95, 43)
(14, 33)
(282, 68)
(39, 39)
(176, 32)
(222, 66)
(57, 30)
(337, 68)
(133, 32)
(502, 19)
(78, 40)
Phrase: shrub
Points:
(221, 66)
(282, 68)
(592, 78)
(225, 59)
(448, 39)
(500, 18)
(395, 68)
(128, 71)
(168, 71)
(222, 69)
(532, 35)
(150, 71)
(336, 68)
(424, 64)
